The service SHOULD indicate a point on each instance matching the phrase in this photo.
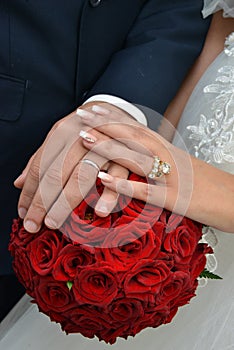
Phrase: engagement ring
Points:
(159, 168)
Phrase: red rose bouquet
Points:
(114, 276)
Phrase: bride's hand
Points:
(193, 187)
(134, 146)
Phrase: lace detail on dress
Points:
(212, 6)
(213, 136)
(228, 45)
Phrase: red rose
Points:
(177, 282)
(19, 236)
(90, 232)
(155, 318)
(57, 317)
(69, 259)
(16, 225)
(182, 242)
(128, 243)
(185, 296)
(84, 226)
(172, 313)
(126, 310)
(96, 285)
(24, 271)
(109, 334)
(43, 251)
(124, 314)
(145, 277)
(87, 320)
(137, 208)
(198, 261)
(51, 295)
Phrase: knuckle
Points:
(104, 146)
(53, 177)
(65, 207)
(25, 198)
(66, 127)
(83, 174)
(55, 126)
(62, 209)
(140, 159)
(60, 123)
(124, 187)
(148, 193)
(54, 131)
(34, 171)
(137, 132)
(118, 171)
(38, 208)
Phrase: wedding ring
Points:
(159, 168)
(90, 162)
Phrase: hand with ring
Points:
(132, 145)
(176, 180)
(60, 174)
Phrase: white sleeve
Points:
(128, 107)
(212, 6)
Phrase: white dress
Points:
(207, 129)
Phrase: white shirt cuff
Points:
(128, 107)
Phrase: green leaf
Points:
(207, 274)
(69, 285)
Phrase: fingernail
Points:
(31, 226)
(101, 208)
(22, 212)
(84, 114)
(104, 176)
(87, 137)
(101, 110)
(50, 223)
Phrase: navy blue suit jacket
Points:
(56, 53)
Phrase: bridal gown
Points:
(207, 323)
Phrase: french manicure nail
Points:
(84, 114)
(87, 137)
(31, 226)
(101, 110)
(104, 176)
(22, 212)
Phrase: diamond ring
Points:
(159, 168)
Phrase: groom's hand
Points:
(55, 180)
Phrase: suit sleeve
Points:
(161, 46)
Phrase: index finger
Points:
(118, 124)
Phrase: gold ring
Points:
(159, 168)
